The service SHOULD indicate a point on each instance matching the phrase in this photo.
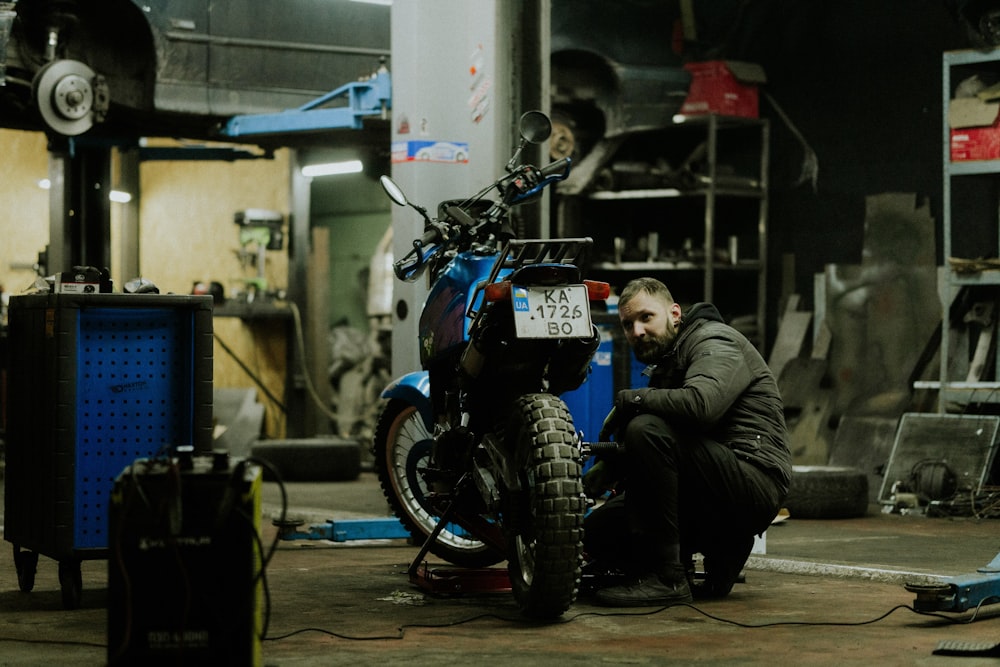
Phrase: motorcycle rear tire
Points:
(402, 444)
(546, 531)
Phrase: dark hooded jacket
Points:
(715, 382)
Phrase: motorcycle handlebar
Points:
(550, 173)
(412, 265)
(430, 235)
(557, 167)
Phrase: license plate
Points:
(552, 312)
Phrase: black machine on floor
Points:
(184, 569)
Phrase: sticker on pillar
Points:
(430, 151)
(479, 85)
(479, 101)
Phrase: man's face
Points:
(650, 325)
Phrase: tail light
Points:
(500, 291)
(597, 291)
(497, 292)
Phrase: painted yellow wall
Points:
(24, 214)
(187, 235)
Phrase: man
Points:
(705, 465)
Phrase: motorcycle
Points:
(476, 453)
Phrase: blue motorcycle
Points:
(476, 454)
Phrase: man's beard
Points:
(652, 348)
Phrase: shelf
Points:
(673, 266)
(981, 278)
(253, 311)
(969, 57)
(963, 392)
(972, 167)
(670, 193)
(969, 222)
(659, 193)
(691, 190)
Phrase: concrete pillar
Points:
(460, 72)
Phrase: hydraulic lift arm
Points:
(960, 593)
(364, 98)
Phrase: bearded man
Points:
(703, 465)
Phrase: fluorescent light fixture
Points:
(387, 3)
(332, 168)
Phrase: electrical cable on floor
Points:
(401, 633)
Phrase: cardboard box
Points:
(725, 87)
(974, 128)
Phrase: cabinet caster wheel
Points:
(26, 565)
(71, 583)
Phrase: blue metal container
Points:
(97, 381)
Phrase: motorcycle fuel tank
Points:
(443, 323)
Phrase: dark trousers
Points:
(684, 494)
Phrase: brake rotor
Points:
(562, 143)
(66, 95)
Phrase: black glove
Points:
(609, 426)
(628, 403)
(599, 478)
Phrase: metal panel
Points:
(965, 443)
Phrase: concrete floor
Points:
(824, 593)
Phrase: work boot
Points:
(648, 590)
(722, 568)
(597, 575)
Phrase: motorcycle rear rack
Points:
(525, 252)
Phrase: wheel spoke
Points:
(403, 447)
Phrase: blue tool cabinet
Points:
(95, 382)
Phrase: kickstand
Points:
(452, 581)
(426, 546)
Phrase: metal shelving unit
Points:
(711, 230)
(969, 190)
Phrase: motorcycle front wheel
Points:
(545, 528)
(402, 445)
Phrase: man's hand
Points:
(627, 405)
(609, 426)
(600, 478)
(629, 401)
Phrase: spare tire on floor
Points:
(319, 459)
(827, 492)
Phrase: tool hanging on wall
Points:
(260, 231)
